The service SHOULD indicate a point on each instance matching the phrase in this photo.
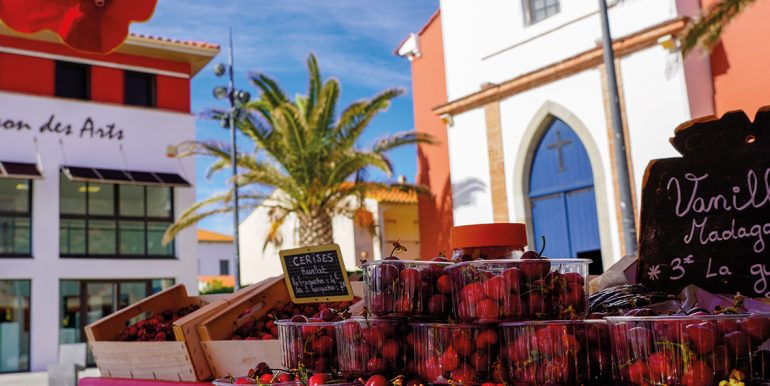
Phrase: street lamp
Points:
(237, 99)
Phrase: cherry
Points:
(351, 331)
(661, 368)
(376, 380)
(323, 345)
(640, 339)
(327, 314)
(702, 337)
(464, 374)
(439, 304)
(573, 277)
(512, 307)
(534, 268)
(449, 359)
(637, 372)
(375, 365)
(411, 280)
(462, 342)
(444, 285)
(283, 377)
(472, 293)
(480, 360)
(244, 381)
(485, 339)
(383, 275)
(757, 327)
(430, 369)
(487, 310)
(299, 319)
(390, 350)
(497, 287)
(266, 379)
(319, 379)
(374, 335)
(697, 374)
(513, 276)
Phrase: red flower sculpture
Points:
(86, 25)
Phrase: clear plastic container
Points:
(488, 241)
(371, 346)
(457, 353)
(491, 291)
(691, 350)
(407, 289)
(561, 352)
(312, 344)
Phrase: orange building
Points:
(426, 53)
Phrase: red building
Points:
(88, 185)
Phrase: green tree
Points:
(707, 29)
(306, 153)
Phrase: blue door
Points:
(561, 193)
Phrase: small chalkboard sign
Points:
(706, 216)
(316, 274)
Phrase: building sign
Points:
(87, 128)
(706, 216)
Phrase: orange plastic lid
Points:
(489, 235)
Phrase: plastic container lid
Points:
(489, 235)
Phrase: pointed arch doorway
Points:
(562, 199)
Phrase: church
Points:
(516, 93)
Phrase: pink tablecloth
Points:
(129, 382)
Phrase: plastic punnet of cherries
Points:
(264, 327)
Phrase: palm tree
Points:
(307, 154)
(706, 30)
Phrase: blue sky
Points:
(353, 40)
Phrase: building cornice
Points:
(583, 61)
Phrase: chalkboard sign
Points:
(316, 274)
(706, 216)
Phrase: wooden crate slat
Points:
(157, 360)
(231, 357)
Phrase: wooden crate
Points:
(180, 360)
(236, 357)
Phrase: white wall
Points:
(487, 41)
(147, 132)
(469, 169)
(209, 255)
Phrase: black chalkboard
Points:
(316, 274)
(706, 216)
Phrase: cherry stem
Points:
(542, 237)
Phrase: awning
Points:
(19, 170)
(112, 176)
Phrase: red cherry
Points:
(486, 338)
(449, 359)
(702, 337)
(758, 327)
(472, 293)
(374, 335)
(390, 350)
(244, 381)
(465, 311)
(351, 331)
(661, 368)
(480, 361)
(375, 365)
(266, 379)
(405, 304)
(299, 319)
(738, 343)
(512, 306)
(462, 342)
(697, 374)
(637, 372)
(439, 304)
(534, 268)
(497, 287)
(464, 374)
(573, 278)
(411, 280)
(430, 369)
(513, 276)
(376, 380)
(323, 345)
(444, 285)
(319, 379)
(383, 275)
(487, 310)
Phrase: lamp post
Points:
(618, 137)
(236, 98)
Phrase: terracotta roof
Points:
(226, 280)
(394, 196)
(207, 236)
(191, 43)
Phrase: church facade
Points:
(526, 117)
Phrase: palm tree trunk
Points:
(315, 229)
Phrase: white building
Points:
(87, 188)
(394, 215)
(216, 260)
(526, 105)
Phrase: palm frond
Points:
(401, 139)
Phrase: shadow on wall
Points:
(465, 191)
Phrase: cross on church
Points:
(558, 145)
